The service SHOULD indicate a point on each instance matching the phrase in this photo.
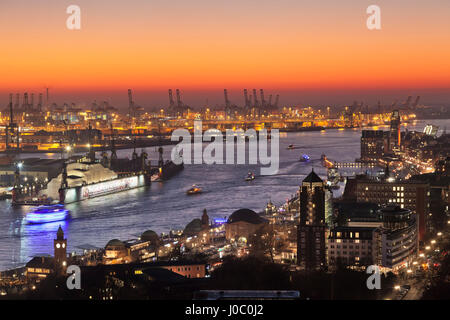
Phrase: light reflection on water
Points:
(165, 206)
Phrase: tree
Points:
(263, 241)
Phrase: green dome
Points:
(115, 243)
(150, 235)
(193, 227)
(245, 215)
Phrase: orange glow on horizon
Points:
(158, 47)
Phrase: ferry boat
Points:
(304, 158)
(45, 214)
(194, 190)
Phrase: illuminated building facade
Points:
(406, 194)
(311, 232)
(398, 235)
(373, 145)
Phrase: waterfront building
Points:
(39, 268)
(144, 250)
(311, 232)
(407, 194)
(150, 236)
(398, 237)
(374, 145)
(241, 224)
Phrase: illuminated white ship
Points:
(88, 180)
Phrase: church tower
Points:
(205, 220)
(60, 249)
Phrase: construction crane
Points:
(171, 102)
(179, 102)
(246, 101)
(130, 107)
(276, 101)
(416, 102)
(255, 98)
(263, 101)
(406, 104)
(225, 94)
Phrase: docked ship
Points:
(89, 177)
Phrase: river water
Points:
(165, 206)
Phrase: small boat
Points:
(194, 190)
(304, 158)
(250, 176)
(291, 146)
(48, 213)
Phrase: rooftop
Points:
(312, 178)
(245, 215)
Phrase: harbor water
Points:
(165, 206)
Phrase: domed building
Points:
(241, 224)
(116, 252)
(150, 236)
(193, 228)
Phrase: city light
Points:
(135, 165)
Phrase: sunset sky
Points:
(308, 51)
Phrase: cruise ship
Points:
(80, 181)
(89, 178)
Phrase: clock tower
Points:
(60, 248)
